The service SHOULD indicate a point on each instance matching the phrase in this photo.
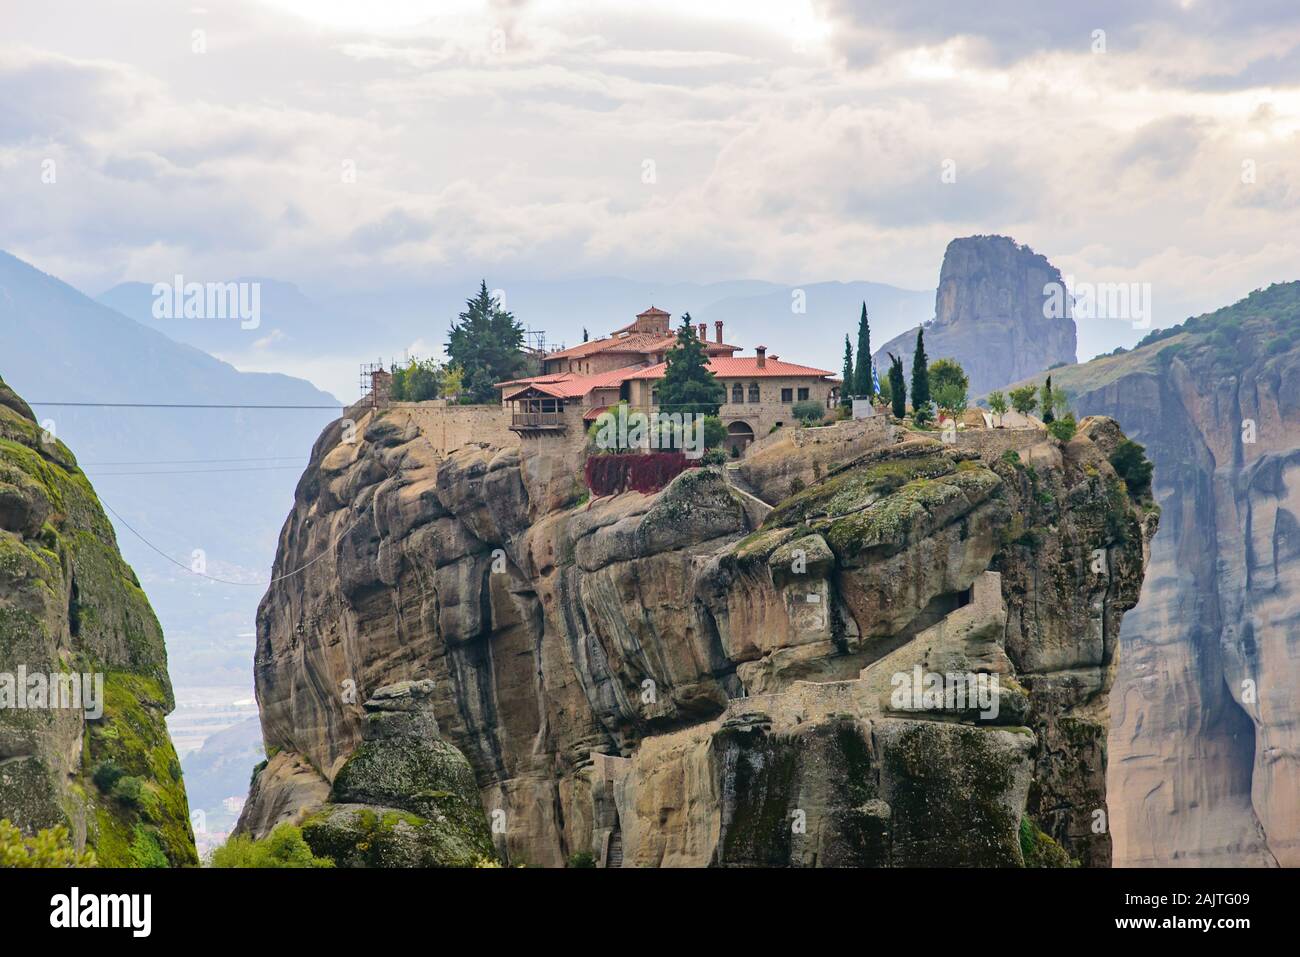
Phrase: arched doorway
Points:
(739, 435)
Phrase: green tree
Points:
(417, 381)
(920, 373)
(487, 343)
(951, 397)
(998, 404)
(948, 372)
(862, 386)
(1025, 399)
(808, 411)
(283, 847)
(688, 386)
(1046, 404)
(846, 391)
(897, 388)
(1130, 461)
(49, 848)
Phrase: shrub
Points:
(1130, 462)
(808, 411)
(106, 775)
(1063, 429)
(145, 849)
(283, 847)
(48, 848)
(582, 859)
(129, 790)
(922, 415)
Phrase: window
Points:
(753, 393)
(737, 394)
(787, 395)
(803, 395)
(654, 396)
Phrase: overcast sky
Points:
(679, 140)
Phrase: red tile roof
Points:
(746, 367)
(570, 385)
(635, 342)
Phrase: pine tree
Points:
(487, 343)
(920, 373)
(688, 386)
(846, 391)
(862, 386)
(897, 388)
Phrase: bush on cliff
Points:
(283, 847)
(49, 848)
(1130, 461)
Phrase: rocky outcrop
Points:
(83, 672)
(654, 679)
(989, 315)
(1204, 747)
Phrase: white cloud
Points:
(517, 138)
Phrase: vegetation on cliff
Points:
(69, 604)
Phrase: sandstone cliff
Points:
(69, 606)
(988, 315)
(1205, 747)
(654, 680)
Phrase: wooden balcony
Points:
(537, 422)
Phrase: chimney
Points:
(703, 330)
(762, 356)
(717, 326)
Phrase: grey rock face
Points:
(989, 315)
(651, 673)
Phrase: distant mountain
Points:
(989, 315)
(219, 480)
(217, 773)
(287, 321)
(1205, 725)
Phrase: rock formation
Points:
(989, 315)
(1204, 749)
(70, 607)
(656, 680)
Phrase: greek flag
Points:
(875, 380)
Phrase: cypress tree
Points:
(846, 392)
(1045, 402)
(897, 389)
(920, 373)
(862, 371)
(688, 386)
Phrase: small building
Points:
(761, 390)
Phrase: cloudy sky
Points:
(348, 145)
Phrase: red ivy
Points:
(634, 472)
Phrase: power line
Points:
(265, 468)
(181, 405)
(226, 581)
(256, 458)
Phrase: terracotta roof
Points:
(733, 367)
(592, 414)
(569, 385)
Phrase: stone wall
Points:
(448, 427)
(991, 443)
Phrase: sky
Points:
(348, 146)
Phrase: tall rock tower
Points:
(989, 315)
